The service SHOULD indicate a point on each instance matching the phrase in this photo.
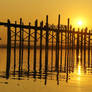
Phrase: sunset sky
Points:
(29, 10)
(40, 59)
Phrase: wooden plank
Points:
(38, 28)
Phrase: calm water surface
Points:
(78, 78)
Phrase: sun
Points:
(80, 23)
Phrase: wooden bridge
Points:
(60, 36)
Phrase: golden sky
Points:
(29, 10)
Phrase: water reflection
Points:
(79, 69)
(73, 63)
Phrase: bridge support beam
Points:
(8, 50)
(41, 31)
(20, 46)
(29, 49)
(85, 47)
(89, 50)
(15, 50)
(57, 45)
(35, 44)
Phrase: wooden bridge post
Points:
(29, 49)
(89, 49)
(70, 37)
(52, 53)
(8, 50)
(77, 49)
(57, 45)
(46, 47)
(35, 43)
(65, 47)
(74, 38)
(61, 51)
(22, 34)
(78, 41)
(40, 67)
(68, 51)
(20, 62)
(70, 45)
(91, 53)
(81, 39)
(85, 46)
(81, 44)
(73, 49)
(57, 50)
(46, 50)
(15, 49)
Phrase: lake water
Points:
(74, 77)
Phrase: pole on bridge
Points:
(78, 40)
(40, 67)
(35, 43)
(22, 48)
(61, 51)
(29, 49)
(85, 47)
(77, 46)
(89, 49)
(46, 50)
(65, 47)
(8, 50)
(70, 47)
(20, 45)
(57, 45)
(73, 49)
(81, 44)
(52, 53)
(70, 37)
(74, 38)
(91, 53)
(68, 52)
(73, 33)
(57, 50)
(15, 49)
(46, 47)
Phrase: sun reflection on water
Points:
(79, 69)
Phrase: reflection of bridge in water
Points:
(59, 36)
